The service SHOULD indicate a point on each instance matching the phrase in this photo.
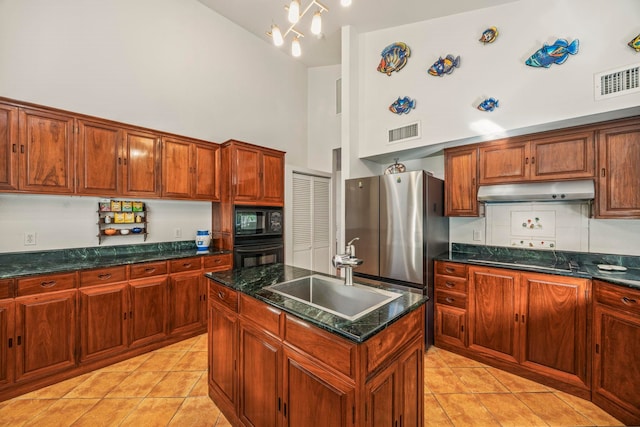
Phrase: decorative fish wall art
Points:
(402, 105)
(394, 58)
(444, 66)
(635, 43)
(556, 53)
(488, 104)
(489, 35)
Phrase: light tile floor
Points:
(168, 387)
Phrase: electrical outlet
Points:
(29, 238)
(477, 235)
(177, 233)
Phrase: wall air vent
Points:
(621, 81)
(404, 133)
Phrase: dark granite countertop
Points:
(564, 263)
(19, 264)
(252, 281)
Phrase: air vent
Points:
(404, 133)
(621, 81)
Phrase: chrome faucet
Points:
(347, 261)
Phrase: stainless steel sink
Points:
(329, 294)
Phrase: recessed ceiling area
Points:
(257, 16)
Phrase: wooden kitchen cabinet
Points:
(223, 353)
(104, 321)
(451, 289)
(618, 195)
(558, 156)
(191, 170)
(149, 307)
(256, 174)
(7, 342)
(535, 322)
(616, 345)
(461, 190)
(393, 395)
(46, 151)
(9, 147)
(141, 164)
(45, 334)
(187, 292)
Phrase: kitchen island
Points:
(276, 360)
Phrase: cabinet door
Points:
(246, 167)
(272, 178)
(207, 172)
(141, 164)
(493, 312)
(553, 326)
(223, 339)
(104, 318)
(563, 157)
(260, 372)
(185, 302)
(46, 152)
(450, 326)
(148, 310)
(618, 175)
(461, 191)
(7, 342)
(177, 168)
(616, 372)
(382, 399)
(412, 387)
(8, 147)
(313, 396)
(45, 334)
(504, 162)
(99, 155)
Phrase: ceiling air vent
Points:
(404, 133)
(621, 81)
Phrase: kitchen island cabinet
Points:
(616, 346)
(269, 366)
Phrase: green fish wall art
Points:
(635, 43)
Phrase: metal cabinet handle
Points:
(186, 265)
(149, 269)
(628, 301)
(104, 276)
(48, 284)
(449, 270)
(450, 285)
(449, 299)
(221, 295)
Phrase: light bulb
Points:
(345, 3)
(295, 47)
(294, 11)
(276, 35)
(316, 23)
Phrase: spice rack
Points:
(117, 218)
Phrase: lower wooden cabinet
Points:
(223, 358)
(616, 346)
(149, 308)
(187, 302)
(450, 326)
(45, 331)
(7, 342)
(451, 289)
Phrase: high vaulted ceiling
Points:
(257, 16)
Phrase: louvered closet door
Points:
(311, 221)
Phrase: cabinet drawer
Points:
(217, 262)
(451, 269)
(263, 314)
(103, 275)
(46, 283)
(148, 269)
(456, 284)
(6, 288)
(620, 297)
(185, 264)
(221, 295)
(451, 299)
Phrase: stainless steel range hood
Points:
(538, 191)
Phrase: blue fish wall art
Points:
(489, 35)
(394, 58)
(488, 104)
(444, 66)
(635, 43)
(402, 105)
(556, 53)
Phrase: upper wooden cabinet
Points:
(190, 170)
(618, 190)
(461, 170)
(8, 147)
(256, 174)
(141, 164)
(557, 157)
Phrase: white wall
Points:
(170, 65)
(324, 123)
(446, 106)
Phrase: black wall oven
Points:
(257, 236)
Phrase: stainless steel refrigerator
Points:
(400, 222)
